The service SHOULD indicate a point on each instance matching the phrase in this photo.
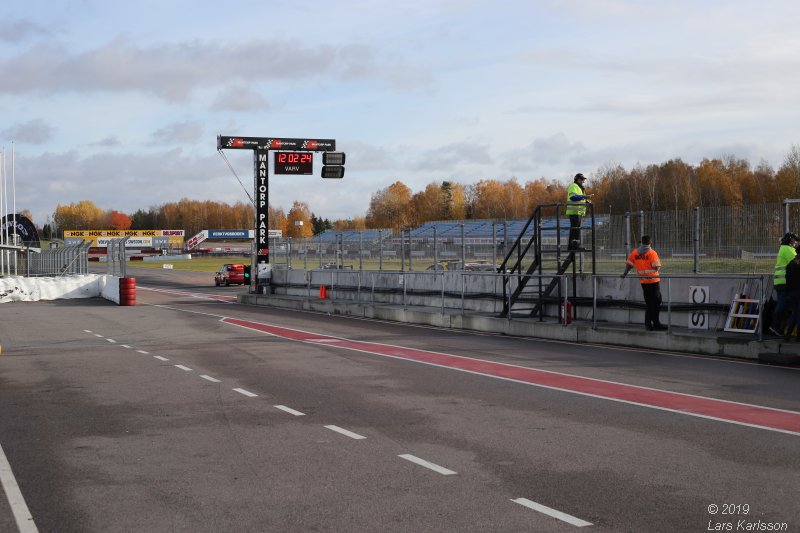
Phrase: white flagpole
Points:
(14, 203)
(3, 232)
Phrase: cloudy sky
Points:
(121, 102)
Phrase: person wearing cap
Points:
(786, 253)
(647, 264)
(576, 210)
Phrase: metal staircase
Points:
(542, 253)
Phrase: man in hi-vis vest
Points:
(646, 262)
(577, 196)
(786, 253)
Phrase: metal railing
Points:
(58, 261)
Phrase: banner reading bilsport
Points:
(146, 238)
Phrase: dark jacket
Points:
(793, 277)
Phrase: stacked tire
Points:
(127, 291)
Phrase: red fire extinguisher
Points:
(566, 312)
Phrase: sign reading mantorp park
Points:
(136, 237)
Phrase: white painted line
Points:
(98, 335)
(142, 351)
(246, 393)
(289, 410)
(186, 368)
(111, 341)
(17, 503)
(346, 433)
(125, 346)
(161, 358)
(564, 517)
(422, 462)
(86, 331)
(209, 378)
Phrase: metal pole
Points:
(505, 238)
(435, 254)
(627, 233)
(786, 216)
(594, 302)
(380, 249)
(494, 245)
(696, 251)
(410, 268)
(360, 250)
(402, 249)
(641, 224)
(463, 249)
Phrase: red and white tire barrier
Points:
(127, 291)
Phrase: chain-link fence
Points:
(732, 239)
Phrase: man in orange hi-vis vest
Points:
(646, 262)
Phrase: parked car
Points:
(481, 267)
(230, 273)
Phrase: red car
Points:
(229, 273)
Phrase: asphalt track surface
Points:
(189, 412)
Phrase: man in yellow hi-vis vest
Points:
(786, 253)
(576, 195)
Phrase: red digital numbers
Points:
(294, 162)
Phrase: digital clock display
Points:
(294, 162)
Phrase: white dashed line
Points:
(422, 462)
(142, 351)
(346, 433)
(86, 331)
(552, 512)
(186, 368)
(15, 500)
(98, 335)
(209, 378)
(161, 358)
(112, 341)
(289, 410)
(125, 346)
(246, 393)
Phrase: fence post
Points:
(627, 232)
(594, 302)
(402, 249)
(696, 240)
(380, 249)
(463, 250)
(360, 250)
(410, 251)
(435, 254)
(494, 245)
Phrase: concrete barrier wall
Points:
(618, 300)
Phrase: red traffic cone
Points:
(323, 292)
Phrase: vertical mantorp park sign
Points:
(292, 156)
(146, 238)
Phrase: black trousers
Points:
(574, 232)
(652, 299)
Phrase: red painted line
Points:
(726, 411)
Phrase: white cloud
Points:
(35, 131)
